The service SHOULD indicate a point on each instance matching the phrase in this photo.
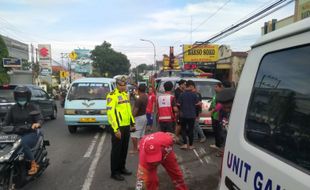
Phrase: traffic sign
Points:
(64, 74)
(73, 56)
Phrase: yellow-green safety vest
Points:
(119, 110)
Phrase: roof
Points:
(201, 79)
(290, 30)
(89, 79)
(58, 68)
(32, 86)
(240, 53)
(187, 78)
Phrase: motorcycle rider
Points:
(18, 115)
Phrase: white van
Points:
(268, 142)
(86, 103)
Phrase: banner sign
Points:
(201, 53)
(45, 56)
(86, 68)
(45, 71)
(82, 53)
(11, 62)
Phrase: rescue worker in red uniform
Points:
(167, 109)
(155, 149)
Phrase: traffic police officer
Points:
(121, 120)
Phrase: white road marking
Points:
(202, 150)
(91, 146)
(197, 155)
(93, 166)
(207, 159)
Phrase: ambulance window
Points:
(278, 118)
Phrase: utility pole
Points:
(66, 55)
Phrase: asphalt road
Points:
(82, 162)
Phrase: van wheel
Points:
(72, 129)
(54, 115)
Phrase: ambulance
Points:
(268, 140)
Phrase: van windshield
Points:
(89, 91)
(205, 88)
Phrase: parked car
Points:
(131, 91)
(268, 139)
(205, 87)
(38, 96)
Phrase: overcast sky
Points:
(70, 24)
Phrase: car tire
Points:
(54, 115)
(72, 129)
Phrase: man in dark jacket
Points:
(19, 115)
(188, 101)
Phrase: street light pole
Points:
(154, 66)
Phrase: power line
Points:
(212, 15)
(262, 16)
(203, 22)
(14, 29)
(247, 21)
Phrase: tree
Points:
(4, 77)
(107, 62)
(26, 65)
(141, 69)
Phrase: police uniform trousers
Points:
(119, 150)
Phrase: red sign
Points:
(190, 66)
(44, 52)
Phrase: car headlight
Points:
(8, 155)
(69, 112)
(103, 112)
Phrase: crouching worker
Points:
(155, 149)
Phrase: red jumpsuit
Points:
(147, 178)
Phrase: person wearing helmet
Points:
(121, 120)
(18, 115)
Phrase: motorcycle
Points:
(13, 165)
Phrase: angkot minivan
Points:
(86, 103)
(268, 141)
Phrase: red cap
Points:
(153, 152)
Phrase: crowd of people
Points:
(177, 114)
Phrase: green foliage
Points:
(49, 87)
(107, 61)
(26, 65)
(4, 77)
(140, 69)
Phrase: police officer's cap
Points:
(121, 79)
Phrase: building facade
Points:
(230, 64)
(16, 48)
